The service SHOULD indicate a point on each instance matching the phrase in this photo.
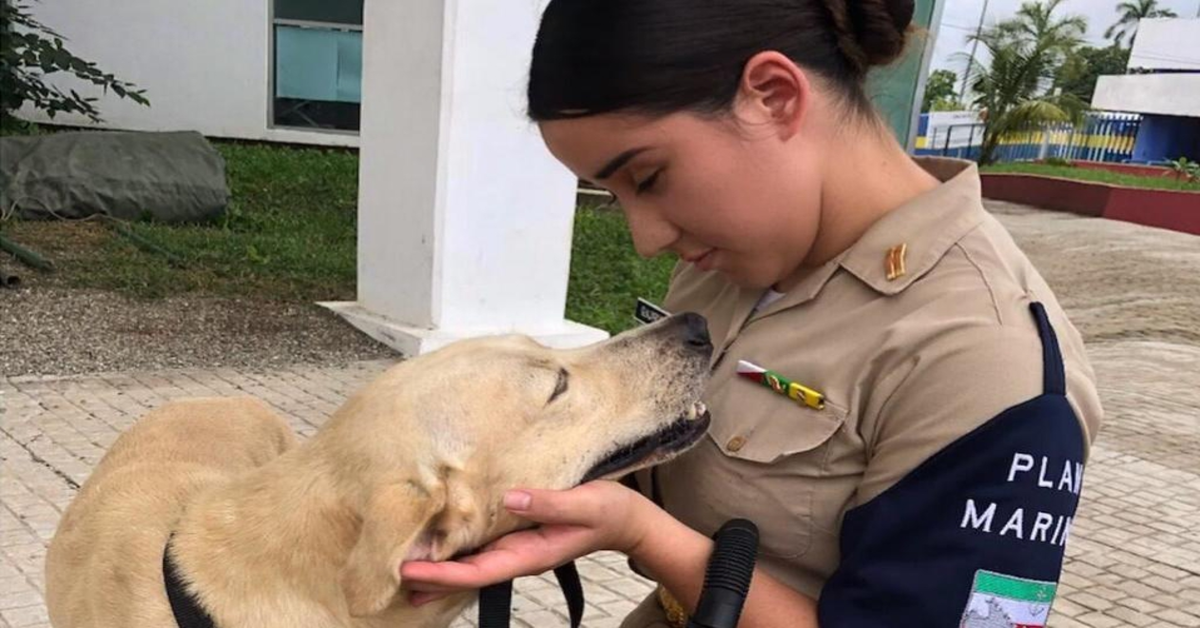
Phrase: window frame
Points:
(274, 21)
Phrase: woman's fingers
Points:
(613, 513)
(519, 554)
(584, 505)
(574, 523)
(471, 572)
(417, 598)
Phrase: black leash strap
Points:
(572, 588)
(495, 605)
(495, 602)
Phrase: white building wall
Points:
(205, 65)
(1164, 94)
(1169, 49)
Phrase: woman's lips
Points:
(704, 261)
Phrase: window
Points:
(317, 69)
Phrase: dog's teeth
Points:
(696, 411)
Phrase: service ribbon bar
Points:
(782, 385)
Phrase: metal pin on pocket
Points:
(781, 385)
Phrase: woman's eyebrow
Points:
(616, 162)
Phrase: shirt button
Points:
(736, 443)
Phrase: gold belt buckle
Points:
(676, 615)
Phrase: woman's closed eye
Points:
(647, 184)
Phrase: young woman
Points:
(924, 460)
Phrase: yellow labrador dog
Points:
(268, 533)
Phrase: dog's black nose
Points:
(695, 331)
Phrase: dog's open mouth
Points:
(655, 448)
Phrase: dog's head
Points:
(427, 451)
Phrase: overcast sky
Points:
(960, 17)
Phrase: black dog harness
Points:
(185, 607)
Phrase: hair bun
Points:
(871, 32)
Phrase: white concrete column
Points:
(464, 218)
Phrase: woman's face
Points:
(729, 194)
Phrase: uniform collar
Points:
(927, 226)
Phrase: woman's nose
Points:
(651, 233)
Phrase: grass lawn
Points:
(289, 234)
(607, 275)
(1101, 176)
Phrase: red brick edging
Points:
(1167, 209)
(1139, 170)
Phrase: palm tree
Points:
(1131, 13)
(1013, 89)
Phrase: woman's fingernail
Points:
(517, 500)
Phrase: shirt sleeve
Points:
(974, 533)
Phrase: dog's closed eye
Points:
(560, 387)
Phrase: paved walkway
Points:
(1134, 554)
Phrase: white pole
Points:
(962, 97)
(465, 219)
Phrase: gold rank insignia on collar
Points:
(782, 385)
(895, 261)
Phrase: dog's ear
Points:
(394, 518)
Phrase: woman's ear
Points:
(773, 91)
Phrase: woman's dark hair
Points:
(663, 56)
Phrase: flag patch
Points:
(1000, 601)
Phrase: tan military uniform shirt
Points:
(907, 363)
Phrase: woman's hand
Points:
(595, 516)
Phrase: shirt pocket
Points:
(762, 460)
(772, 432)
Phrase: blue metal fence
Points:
(1101, 137)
